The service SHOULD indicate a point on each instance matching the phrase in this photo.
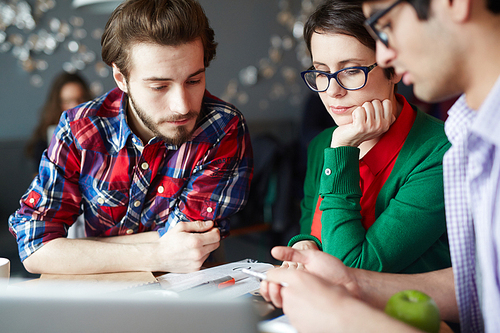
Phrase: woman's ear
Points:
(120, 79)
(459, 10)
(396, 78)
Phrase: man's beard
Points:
(179, 134)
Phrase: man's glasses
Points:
(350, 78)
(377, 32)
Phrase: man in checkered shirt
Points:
(156, 166)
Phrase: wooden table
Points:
(132, 278)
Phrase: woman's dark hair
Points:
(162, 22)
(341, 17)
(493, 6)
(52, 109)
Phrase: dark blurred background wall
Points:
(246, 32)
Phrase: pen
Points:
(261, 276)
(219, 283)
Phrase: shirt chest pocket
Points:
(169, 187)
(109, 206)
(193, 204)
(167, 192)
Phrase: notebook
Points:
(70, 307)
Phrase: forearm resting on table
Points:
(142, 237)
(377, 288)
(94, 255)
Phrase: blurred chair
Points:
(272, 203)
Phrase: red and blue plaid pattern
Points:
(96, 166)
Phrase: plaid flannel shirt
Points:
(95, 165)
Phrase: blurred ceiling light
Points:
(97, 6)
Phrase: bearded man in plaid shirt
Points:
(156, 166)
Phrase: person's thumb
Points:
(286, 253)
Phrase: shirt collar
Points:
(459, 121)
(462, 120)
(487, 122)
(112, 126)
(126, 132)
(391, 142)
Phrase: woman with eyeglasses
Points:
(373, 193)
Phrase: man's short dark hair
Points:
(162, 22)
(422, 7)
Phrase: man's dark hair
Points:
(422, 7)
(340, 17)
(494, 6)
(162, 22)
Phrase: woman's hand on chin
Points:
(369, 121)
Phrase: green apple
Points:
(416, 309)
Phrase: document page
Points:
(243, 283)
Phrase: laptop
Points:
(50, 307)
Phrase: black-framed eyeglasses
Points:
(371, 24)
(350, 78)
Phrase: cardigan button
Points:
(328, 171)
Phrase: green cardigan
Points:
(409, 234)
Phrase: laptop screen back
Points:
(85, 309)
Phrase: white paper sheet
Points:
(244, 283)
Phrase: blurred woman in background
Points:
(67, 91)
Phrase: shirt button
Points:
(32, 200)
(144, 166)
(100, 201)
(137, 203)
(328, 172)
(130, 231)
(210, 209)
(161, 189)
